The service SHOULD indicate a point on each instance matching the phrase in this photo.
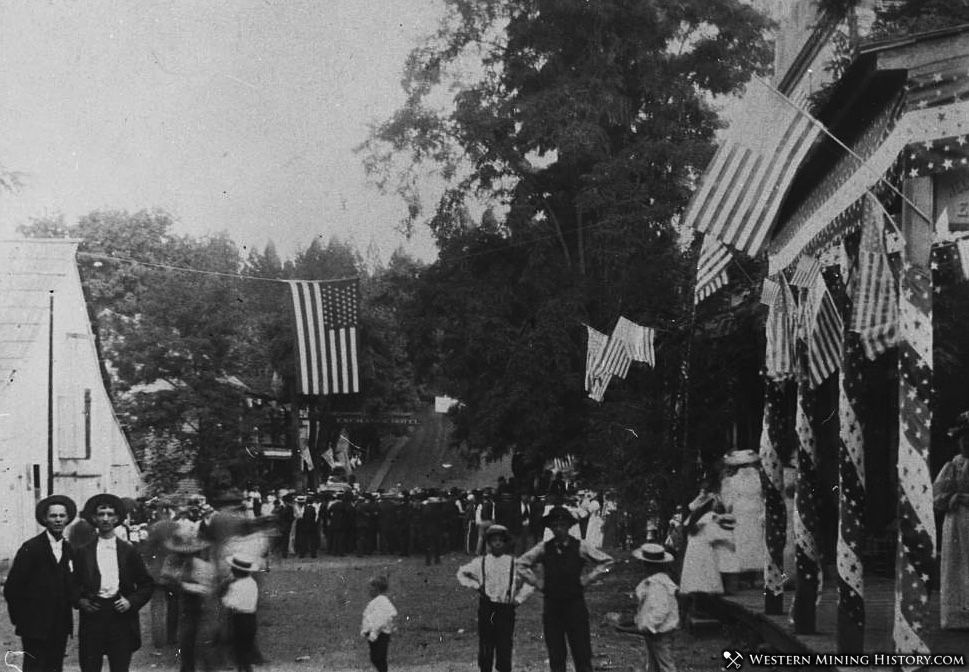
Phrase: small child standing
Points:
(240, 600)
(500, 590)
(378, 622)
(658, 614)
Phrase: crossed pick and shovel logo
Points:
(733, 660)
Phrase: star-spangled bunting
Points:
(915, 550)
(772, 479)
(851, 485)
(806, 520)
(874, 315)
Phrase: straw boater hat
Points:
(497, 529)
(558, 514)
(243, 563)
(102, 499)
(739, 458)
(40, 512)
(653, 554)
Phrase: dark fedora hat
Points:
(40, 512)
(559, 514)
(103, 499)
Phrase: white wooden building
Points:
(52, 395)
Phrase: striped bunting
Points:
(615, 359)
(769, 292)
(326, 336)
(821, 330)
(743, 187)
(874, 315)
(711, 269)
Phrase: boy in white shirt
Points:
(240, 600)
(378, 622)
(501, 589)
(658, 615)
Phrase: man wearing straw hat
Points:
(38, 588)
(111, 584)
(658, 615)
(565, 615)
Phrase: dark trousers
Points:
(378, 652)
(243, 640)
(567, 620)
(104, 632)
(432, 546)
(44, 655)
(197, 630)
(307, 542)
(496, 630)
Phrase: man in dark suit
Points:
(38, 588)
(111, 584)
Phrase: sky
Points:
(231, 115)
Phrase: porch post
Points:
(807, 556)
(851, 485)
(772, 478)
(915, 550)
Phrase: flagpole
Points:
(863, 162)
(50, 398)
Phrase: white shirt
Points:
(502, 584)
(242, 596)
(378, 617)
(658, 610)
(56, 546)
(107, 556)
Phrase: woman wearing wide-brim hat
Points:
(565, 616)
(950, 494)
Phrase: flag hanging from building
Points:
(342, 452)
(807, 271)
(711, 268)
(743, 187)
(821, 330)
(874, 315)
(306, 459)
(769, 291)
(638, 340)
(780, 331)
(596, 343)
(326, 336)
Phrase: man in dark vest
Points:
(565, 615)
(38, 588)
(111, 584)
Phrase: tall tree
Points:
(585, 127)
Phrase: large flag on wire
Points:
(875, 300)
(615, 359)
(638, 339)
(597, 341)
(711, 268)
(326, 336)
(822, 329)
(742, 189)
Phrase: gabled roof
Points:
(29, 270)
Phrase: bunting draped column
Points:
(851, 487)
(915, 552)
(772, 479)
(807, 553)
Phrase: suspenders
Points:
(511, 581)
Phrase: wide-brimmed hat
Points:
(497, 529)
(739, 458)
(653, 553)
(961, 425)
(103, 499)
(185, 541)
(243, 563)
(559, 514)
(41, 510)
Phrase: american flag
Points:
(769, 291)
(615, 359)
(874, 315)
(780, 331)
(326, 336)
(822, 331)
(638, 340)
(743, 187)
(807, 271)
(711, 268)
(597, 341)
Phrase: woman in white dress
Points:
(593, 533)
(951, 496)
(706, 539)
(741, 496)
